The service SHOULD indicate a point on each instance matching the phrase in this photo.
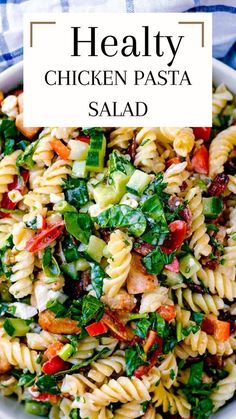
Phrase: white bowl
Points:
(10, 79)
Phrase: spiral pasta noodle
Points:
(104, 368)
(182, 139)
(200, 342)
(18, 354)
(152, 300)
(170, 402)
(43, 154)
(200, 302)
(219, 150)
(168, 370)
(147, 156)
(120, 137)
(21, 274)
(41, 341)
(218, 283)
(129, 410)
(174, 176)
(119, 247)
(226, 387)
(220, 98)
(200, 239)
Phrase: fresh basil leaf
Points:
(9, 134)
(155, 261)
(91, 308)
(142, 327)
(97, 275)
(70, 249)
(26, 158)
(122, 216)
(117, 162)
(78, 225)
(196, 371)
(26, 379)
(134, 357)
(76, 192)
(58, 308)
(47, 384)
(8, 146)
(197, 317)
(50, 265)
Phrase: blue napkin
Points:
(11, 13)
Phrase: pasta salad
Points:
(118, 257)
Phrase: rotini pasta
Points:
(117, 269)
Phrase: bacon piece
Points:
(218, 185)
(143, 248)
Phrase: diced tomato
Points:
(200, 160)
(176, 236)
(116, 326)
(173, 266)
(61, 149)
(96, 328)
(19, 184)
(150, 340)
(167, 311)
(222, 330)
(53, 349)
(174, 160)
(47, 397)
(54, 365)
(45, 237)
(84, 139)
(212, 326)
(202, 133)
(144, 369)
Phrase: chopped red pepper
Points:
(202, 133)
(212, 326)
(54, 365)
(45, 237)
(53, 349)
(167, 311)
(47, 397)
(174, 160)
(176, 237)
(19, 184)
(200, 160)
(222, 330)
(150, 340)
(84, 139)
(173, 266)
(61, 149)
(96, 328)
(116, 326)
(144, 369)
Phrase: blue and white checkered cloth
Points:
(11, 13)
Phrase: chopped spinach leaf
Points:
(97, 275)
(122, 216)
(76, 192)
(78, 225)
(26, 158)
(47, 384)
(155, 261)
(134, 357)
(58, 308)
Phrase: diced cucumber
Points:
(189, 265)
(104, 195)
(81, 264)
(16, 327)
(79, 150)
(36, 408)
(79, 169)
(70, 270)
(63, 206)
(138, 182)
(212, 206)
(96, 154)
(95, 248)
(173, 278)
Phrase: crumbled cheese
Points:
(43, 294)
(130, 200)
(23, 311)
(9, 106)
(64, 133)
(56, 197)
(15, 196)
